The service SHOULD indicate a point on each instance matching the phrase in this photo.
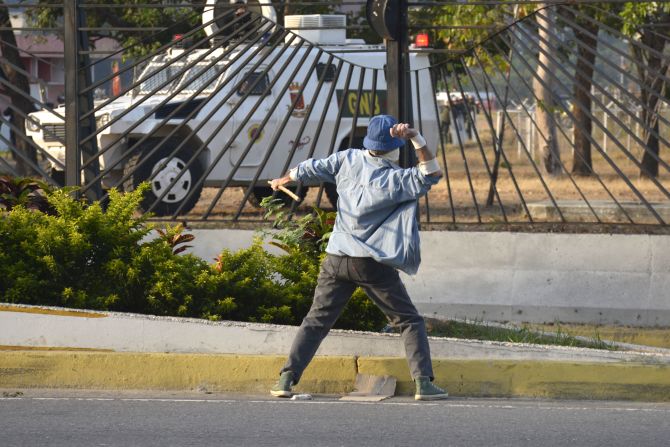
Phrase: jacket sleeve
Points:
(320, 170)
(409, 184)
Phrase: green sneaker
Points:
(283, 386)
(426, 390)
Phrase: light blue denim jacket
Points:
(376, 215)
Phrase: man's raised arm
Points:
(427, 162)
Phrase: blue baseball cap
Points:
(379, 136)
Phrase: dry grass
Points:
(465, 190)
(462, 190)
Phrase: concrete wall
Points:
(577, 278)
(533, 277)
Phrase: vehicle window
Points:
(325, 70)
(254, 90)
(158, 73)
(203, 74)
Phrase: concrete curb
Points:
(331, 375)
(40, 327)
(43, 347)
(155, 371)
(537, 379)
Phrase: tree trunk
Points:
(542, 88)
(586, 57)
(650, 66)
(8, 63)
(649, 163)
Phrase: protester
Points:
(445, 122)
(375, 234)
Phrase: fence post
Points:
(72, 158)
(399, 80)
(78, 75)
(389, 18)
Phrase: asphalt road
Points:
(66, 418)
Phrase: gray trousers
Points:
(338, 278)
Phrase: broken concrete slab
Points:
(371, 388)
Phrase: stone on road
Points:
(69, 418)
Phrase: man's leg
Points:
(383, 285)
(330, 297)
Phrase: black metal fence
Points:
(538, 112)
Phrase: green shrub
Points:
(82, 256)
(26, 192)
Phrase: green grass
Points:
(482, 331)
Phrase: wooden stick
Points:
(289, 193)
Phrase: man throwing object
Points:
(375, 234)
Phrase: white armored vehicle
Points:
(241, 111)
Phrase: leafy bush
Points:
(81, 256)
(85, 257)
(27, 192)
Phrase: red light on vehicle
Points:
(177, 37)
(421, 40)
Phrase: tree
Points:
(584, 68)
(126, 23)
(487, 50)
(451, 28)
(585, 22)
(543, 86)
(586, 39)
(640, 23)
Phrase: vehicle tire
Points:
(259, 192)
(330, 188)
(178, 194)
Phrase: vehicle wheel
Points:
(163, 175)
(260, 192)
(330, 188)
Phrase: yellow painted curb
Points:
(154, 371)
(59, 313)
(529, 378)
(330, 375)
